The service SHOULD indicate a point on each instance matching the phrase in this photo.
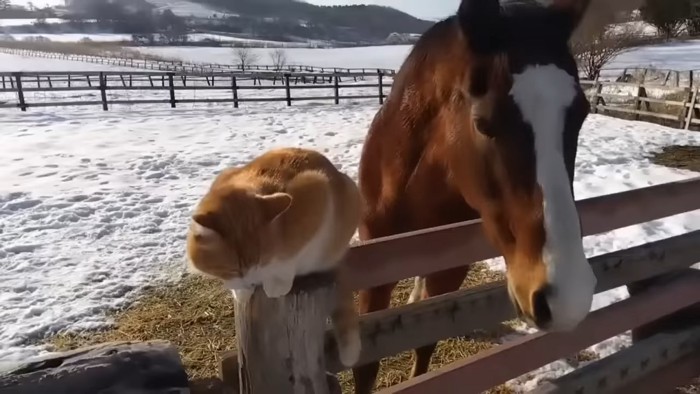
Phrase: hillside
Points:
(280, 19)
(271, 20)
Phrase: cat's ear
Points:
(274, 205)
(205, 225)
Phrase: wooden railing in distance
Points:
(115, 88)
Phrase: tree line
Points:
(672, 17)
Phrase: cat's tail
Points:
(346, 325)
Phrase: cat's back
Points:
(325, 208)
(279, 170)
(284, 164)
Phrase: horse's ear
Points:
(481, 22)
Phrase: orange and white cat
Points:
(287, 213)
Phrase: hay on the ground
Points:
(197, 315)
(685, 157)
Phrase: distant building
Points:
(402, 38)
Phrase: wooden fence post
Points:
(234, 87)
(288, 89)
(171, 85)
(336, 89)
(380, 75)
(103, 90)
(20, 92)
(598, 87)
(691, 76)
(691, 109)
(281, 340)
(638, 101)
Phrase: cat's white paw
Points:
(350, 353)
(278, 285)
(242, 294)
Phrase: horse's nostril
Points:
(542, 315)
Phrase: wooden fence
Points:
(668, 358)
(652, 76)
(118, 88)
(674, 107)
(196, 68)
(670, 106)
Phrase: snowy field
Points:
(94, 205)
(72, 37)
(684, 55)
(360, 57)
(10, 63)
(29, 22)
(118, 38)
(676, 56)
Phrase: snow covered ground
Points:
(94, 205)
(29, 21)
(359, 57)
(676, 56)
(111, 37)
(683, 55)
(72, 37)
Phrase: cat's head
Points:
(233, 229)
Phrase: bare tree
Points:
(278, 58)
(668, 16)
(244, 57)
(596, 51)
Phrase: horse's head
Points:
(527, 107)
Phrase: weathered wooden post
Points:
(281, 340)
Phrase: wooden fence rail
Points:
(652, 76)
(674, 107)
(485, 307)
(189, 67)
(118, 88)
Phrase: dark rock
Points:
(111, 368)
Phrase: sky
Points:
(424, 9)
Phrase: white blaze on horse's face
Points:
(543, 94)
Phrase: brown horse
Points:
(483, 121)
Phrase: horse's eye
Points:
(484, 126)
